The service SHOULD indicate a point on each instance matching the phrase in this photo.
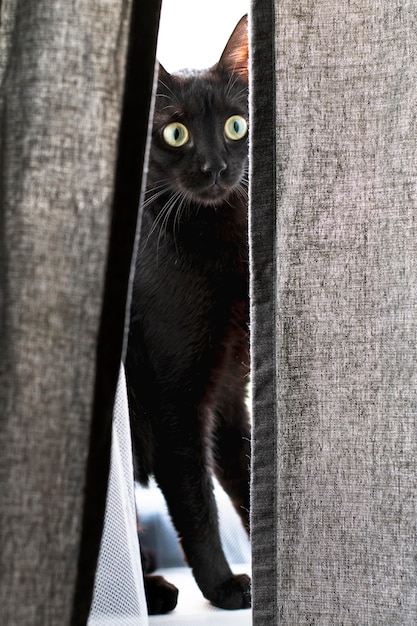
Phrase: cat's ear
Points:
(235, 55)
(162, 73)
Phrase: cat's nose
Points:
(214, 169)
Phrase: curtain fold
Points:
(338, 343)
(70, 176)
(262, 249)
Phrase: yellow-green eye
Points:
(175, 134)
(236, 127)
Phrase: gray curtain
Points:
(76, 82)
(334, 308)
(334, 304)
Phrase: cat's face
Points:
(200, 136)
(200, 132)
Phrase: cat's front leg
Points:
(182, 473)
(231, 453)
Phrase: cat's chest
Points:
(191, 308)
(191, 280)
(191, 285)
(194, 291)
(219, 255)
(212, 251)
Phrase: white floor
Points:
(193, 609)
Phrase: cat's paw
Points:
(161, 596)
(233, 593)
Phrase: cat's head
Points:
(200, 130)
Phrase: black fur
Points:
(187, 363)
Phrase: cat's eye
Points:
(175, 134)
(236, 127)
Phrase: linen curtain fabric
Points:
(334, 305)
(333, 284)
(75, 98)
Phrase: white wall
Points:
(193, 34)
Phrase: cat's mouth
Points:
(211, 195)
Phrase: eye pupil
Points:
(236, 126)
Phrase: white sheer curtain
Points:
(119, 598)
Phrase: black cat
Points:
(187, 362)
